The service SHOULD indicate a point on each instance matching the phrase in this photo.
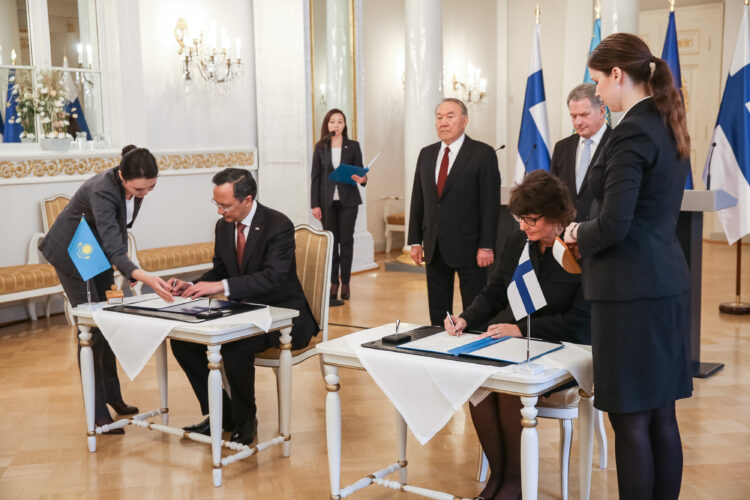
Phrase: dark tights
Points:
(497, 420)
(649, 454)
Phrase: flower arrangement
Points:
(46, 101)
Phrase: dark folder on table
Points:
(343, 173)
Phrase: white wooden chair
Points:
(314, 254)
(564, 407)
(394, 217)
(51, 208)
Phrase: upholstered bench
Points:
(176, 259)
(28, 281)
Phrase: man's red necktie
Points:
(240, 243)
(443, 174)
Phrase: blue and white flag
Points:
(73, 105)
(13, 129)
(85, 252)
(533, 140)
(524, 293)
(729, 165)
(671, 56)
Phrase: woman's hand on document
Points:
(502, 330)
(460, 325)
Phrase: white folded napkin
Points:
(134, 338)
(575, 359)
(425, 391)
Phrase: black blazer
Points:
(563, 165)
(464, 219)
(567, 316)
(629, 246)
(321, 188)
(101, 199)
(269, 271)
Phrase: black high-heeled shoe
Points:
(334, 290)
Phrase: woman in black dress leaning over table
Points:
(634, 270)
(542, 206)
(336, 203)
(110, 202)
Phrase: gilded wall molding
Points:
(57, 168)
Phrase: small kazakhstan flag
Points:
(86, 253)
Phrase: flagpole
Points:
(528, 339)
(88, 291)
(737, 307)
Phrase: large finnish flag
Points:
(73, 105)
(671, 56)
(533, 140)
(524, 293)
(729, 165)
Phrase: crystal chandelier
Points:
(473, 87)
(205, 57)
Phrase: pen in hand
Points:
(450, 320)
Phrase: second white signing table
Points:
(339, 353)
(212, 334)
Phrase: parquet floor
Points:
(43, 452)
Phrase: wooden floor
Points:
(42, 440)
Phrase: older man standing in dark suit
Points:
(455, 204)
(573, 155)
(253, 260)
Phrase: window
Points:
(50, 74)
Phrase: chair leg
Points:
(68, 311)
(484, 465)
(566, 437)
(388, 242)
(48, 306)
(278, 392)
(31, 308)
(601, 438)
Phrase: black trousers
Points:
(107, 384)
(238, 358)
(440, 278)
(340, 221)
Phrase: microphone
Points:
(528, 156)
(501, 147)
(708, 165)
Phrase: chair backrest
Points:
(51, 208)
(314, 254)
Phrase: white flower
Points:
(31, 136)
(11, 120)
(44, 90)
(12, 79)
(46, 120)
(75, 115)
(53, 92)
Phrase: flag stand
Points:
(527, 367)
(89, 306)
(736, 307)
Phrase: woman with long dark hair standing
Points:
(634, 271)
(336, 203)
(110, 202)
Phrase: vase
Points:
(28, 140)
(56, 143)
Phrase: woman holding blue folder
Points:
(110, 202)
(542, 206)
(336, 203)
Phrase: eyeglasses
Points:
(529, 221)
(224, 208)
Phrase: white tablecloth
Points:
(428, 391)
(134, 338)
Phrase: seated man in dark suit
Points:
(573, 155)
(253, 260)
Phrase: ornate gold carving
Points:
(90, 433)
(84, 343)
(335, 497)
(528, 422)
(371, 476)
(287, 437)
(164, 410)
(402, 463)
(583, 394)
(96, 164)
(403, 487)
(685, 42)
(285, 347)
(217, 466)
(214, 366)
(333, 387)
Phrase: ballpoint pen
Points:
(398, 322)
(450, 320)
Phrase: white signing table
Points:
(212, 336)
(338, 353)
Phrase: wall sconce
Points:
(213, 62)
(472, 90)
(323, 93)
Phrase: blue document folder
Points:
(343, 173)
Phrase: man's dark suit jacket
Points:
(629, 247)
(321, 188)
(101, 199)
(269, 271)
(563, 165)
(567, 316)
(464, 218)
